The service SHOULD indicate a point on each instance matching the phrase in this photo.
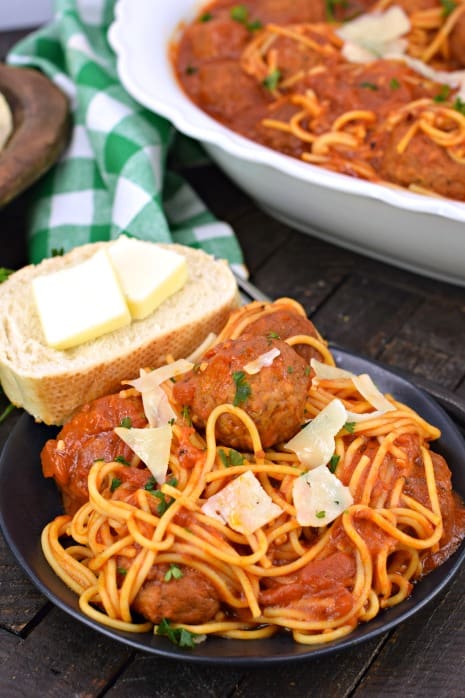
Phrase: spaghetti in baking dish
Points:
(374, 90)
(251, 489)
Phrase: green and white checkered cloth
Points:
(113, 177)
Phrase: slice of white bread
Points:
(51, 384)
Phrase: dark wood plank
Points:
(20, 602)
(62, 657)
(149, 676)
(424, 656)
(8, 644)
(334, 676)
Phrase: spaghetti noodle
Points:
(280, 74)
(159, 550)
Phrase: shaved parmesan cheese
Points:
(265, 359)
(151, 445)
(314, 444)
(328, 372)
(319, 497)
(363, 383)
(370, 392)
(454, 78)
(378, 35)
(156, 404)
(375, 35)
(243, 505)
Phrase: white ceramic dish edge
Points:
(419, 233)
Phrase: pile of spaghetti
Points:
(231, 531)
(380, 97)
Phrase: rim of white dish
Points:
(164, 96)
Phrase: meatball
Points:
(87, 437)
(283, 324)
(274, 397)
(423, 164)
(190, 598)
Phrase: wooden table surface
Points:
(402, 319)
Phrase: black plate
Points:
(21, 481)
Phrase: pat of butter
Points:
(80, 303)
(148, 274)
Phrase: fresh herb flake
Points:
(272, 79)
(115, 483)
(394, 84)
(126, 422)
(459, 105)
(174, 572)
(8, 410)
(4, 274)
(443, 94)
(151, 484)
(333, 463)
(191, 70)
(243, 390)
(448, 6)
(369, 86)
(320, 514)
(330, 8)
(206, 17)
(186, 415)
(122, 460)
(350, 427)
(230, 458)
(179, 636)
(240, 13)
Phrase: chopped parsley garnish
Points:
(350, 427)
(273, 335)
(240, 13)
(369, 86)
(179, 636)
(230, 458)
(242, 388)
(186, 415)
(290, 369)
(115, 483)
(307, 370)
(191, 70)
(164, 500)
(459, 105)
(8, 409)
(206, 17)
(272, 79)
(151, 484)
(126, 422)
(122, 571)
(333, 463)
(122, 460)
(4, 273)
(330, 7)
(394, 84)
(174, 572)
(448, 6)
(443, 94)
(320, 514)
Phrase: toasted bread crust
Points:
(52, 384)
